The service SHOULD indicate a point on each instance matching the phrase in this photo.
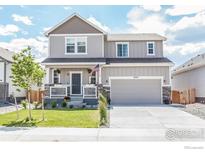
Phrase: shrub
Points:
(103, 99)
(103, 110)
(63, 104)
(103, 113)
(24, 103)
(45, 104)
(53, 104)
(71, 106)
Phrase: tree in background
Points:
(26, 72)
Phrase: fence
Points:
(36, 96)
(187, 96)
(3, 90)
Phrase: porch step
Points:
(76, 98)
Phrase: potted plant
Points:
(89, 70)
(58, 71)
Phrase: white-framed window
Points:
(56, 76)
(150, 48)
(76, 45)
(92, 78)
(122, 49)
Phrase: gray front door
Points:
(76, 84)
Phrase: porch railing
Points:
(89, 91)
(58, 91)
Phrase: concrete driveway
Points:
(153, 117)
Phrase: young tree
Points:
(24, 70)
(38, 79)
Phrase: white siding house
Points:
(191, 75)
(5, 73)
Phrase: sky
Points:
(184, 26)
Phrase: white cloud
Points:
(8, 30)
(67, 8)
(39, 46)
(99, 24)
(141, 22)
(185, 22)
(46, 29)
(184, 49)
(154, 8)
(184, 10)
(24, 19)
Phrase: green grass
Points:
(81, 118)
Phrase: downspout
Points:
(5, 87)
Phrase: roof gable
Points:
(74, 24)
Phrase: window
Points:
(76, 45)
(150, 48)
(70, 45)
(122, 49)
(56, 77)
(92, 78)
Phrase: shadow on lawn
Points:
(22, 123)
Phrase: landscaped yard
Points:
(83, 118)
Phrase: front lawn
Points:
(82, 118)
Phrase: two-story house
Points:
(131, 67)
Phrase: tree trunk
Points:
(29, 104)
(16, 105)
(42, 97)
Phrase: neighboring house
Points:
(131, 67)
(191, 75)
(6, 87)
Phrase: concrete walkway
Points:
(98, 134)
(153, 117)
(8, 108)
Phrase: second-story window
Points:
(76, 45)
(150, 48)
(122, 49)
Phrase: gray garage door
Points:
(135, 91)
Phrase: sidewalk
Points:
(87, 134)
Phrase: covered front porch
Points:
(79, 82)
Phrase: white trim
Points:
(137, 78)
(79, 63)
(47, 74)
(116, 43)
(148, 54)
(81, 78)
(59, 77)
(137, 64)
(76, 46)
(78, 34)
(49, 52)
(103, 46)
(68, 18)
(100, 75)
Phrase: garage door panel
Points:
(135, 91)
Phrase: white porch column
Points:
(47, 75)
(100, 73)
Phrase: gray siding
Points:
(190, 79)
(65, 75)
(136, 49)
(94, 47)
(135, 71)
(75, 26)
